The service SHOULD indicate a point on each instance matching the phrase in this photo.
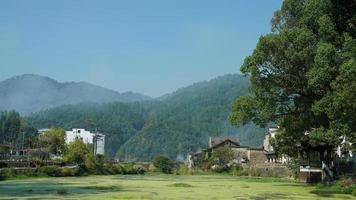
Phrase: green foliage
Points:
(53, 141)
(237, 170)
(222, 156)
(56, 171)
(14, 130)
(77, 152)
(338, 187)
(119, 121)
(95, 163)
(164, 164)
(302, 76)
(173, 125)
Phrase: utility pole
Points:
(23, 140)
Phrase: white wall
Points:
(87, 137)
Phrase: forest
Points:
(172, 125)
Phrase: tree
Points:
(164, 164)
(76, 152)
(14, 130)
(302, 77)
(222, 156)
(53, 141)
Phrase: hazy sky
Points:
(147, 46)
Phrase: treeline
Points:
(119, 121)
(174, 125)
(14, 130)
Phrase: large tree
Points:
(303, 76)
(53, 141)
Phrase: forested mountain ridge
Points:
(31, 93)
(183, 121)
(175, 125)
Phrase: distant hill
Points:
(183, 121)
(30, 93)
(178, 123)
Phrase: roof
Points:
(214, 141)
(231, 143)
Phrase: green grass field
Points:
(160, 187)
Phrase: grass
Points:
(159, 186)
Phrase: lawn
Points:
(159, 187)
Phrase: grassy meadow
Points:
(160, 187)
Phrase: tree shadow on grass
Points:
(293, 185)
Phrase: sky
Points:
(148, 46)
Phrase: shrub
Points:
(50, 170)
(221, 157)
(237, 170)
(2, 176)
(56, 171)
(182, 170)
(354, 192)
(139, 169)
(129, 168)
(164, 164)
(9, 173)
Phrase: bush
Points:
(130, 168)
(220, 169)
(139, 169)
(164, 164)
(9, 173)
(2, 176)
(354, 192)
(221, 157)
(237, 170)
(56, 171)
(182, 170)
(50, 170)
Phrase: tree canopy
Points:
(14, 130)
(53, 141)
(302, 75)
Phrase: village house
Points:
(243, 154)
(269, 151)
(97, 139)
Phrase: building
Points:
(97, 139)
(270, 153)
(243, 154)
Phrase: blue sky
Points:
(148, 46)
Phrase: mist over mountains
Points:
(31, 93)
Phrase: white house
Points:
(97, 139)
(269, 150)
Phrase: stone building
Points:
(243, 154)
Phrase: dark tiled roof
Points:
(218, 140)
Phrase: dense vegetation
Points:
(173, 125)
(14, 130)
(303, 77)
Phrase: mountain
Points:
(30, 93)
(178, 123)
(183, 121)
